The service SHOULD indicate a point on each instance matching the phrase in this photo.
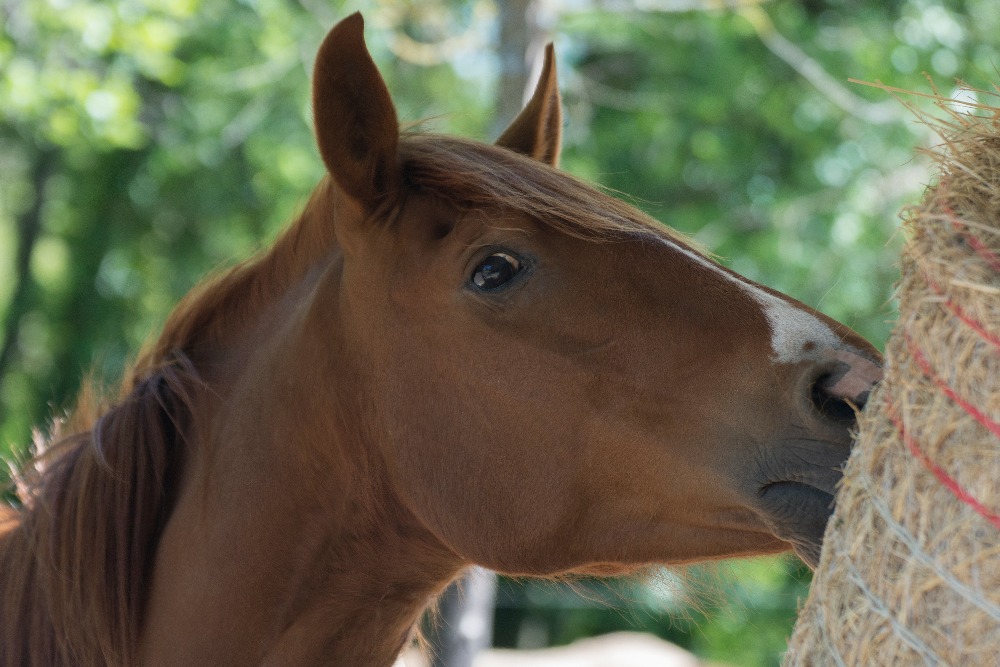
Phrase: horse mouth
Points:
(798, 513)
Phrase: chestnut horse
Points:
(458, 354)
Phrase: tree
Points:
(145, 142)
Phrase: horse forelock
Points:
(470, 174)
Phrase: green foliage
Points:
(144, 143)
(179, 140)
(738, 613)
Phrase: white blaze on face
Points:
(792, 328)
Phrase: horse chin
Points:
(809, 553)
(798, 514)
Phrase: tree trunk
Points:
(465, 620)
(519, 52)
(29, 227)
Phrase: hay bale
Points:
(910, 570)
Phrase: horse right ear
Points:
(537, 130)
(356, 125)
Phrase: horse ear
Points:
(356, 125)
(537, 130)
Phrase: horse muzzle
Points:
(800, 478)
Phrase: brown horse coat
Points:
(456, 355)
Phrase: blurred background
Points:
(144, 143)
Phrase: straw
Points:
(910, 569)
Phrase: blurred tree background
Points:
(144, 143)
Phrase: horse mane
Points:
(95, 502)
(76, 557)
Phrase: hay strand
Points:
(910, 570)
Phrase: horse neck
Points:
(287, 543)
(283, 540)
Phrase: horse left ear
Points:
(537, 130)
(356, 125)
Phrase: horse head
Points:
(555, 382)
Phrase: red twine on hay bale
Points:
(959, 312)
(947, 480)
(961, 226)
(948, 391)
(908, 573)
(942, 476)
(987, 255)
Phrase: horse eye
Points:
(495, 271)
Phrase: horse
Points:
(457, 354)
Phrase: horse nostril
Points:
(842, 382)
(830, 405)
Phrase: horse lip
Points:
(798, 513)
(797, 483)
(794, 486)
(809, 553)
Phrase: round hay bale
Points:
(910, 569)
